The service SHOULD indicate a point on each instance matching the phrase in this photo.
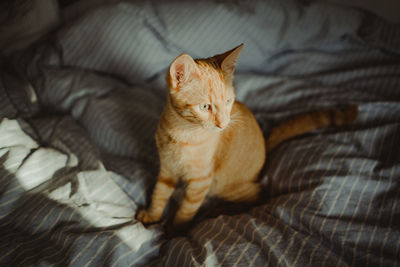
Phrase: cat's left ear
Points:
(182, 70)
(228, 59)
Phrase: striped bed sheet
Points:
(79, 109)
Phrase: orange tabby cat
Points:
(212, 142)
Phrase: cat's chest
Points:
(197, 149)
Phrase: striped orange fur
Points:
(212, 142)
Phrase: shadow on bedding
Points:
(37, 230)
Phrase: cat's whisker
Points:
(237, 122)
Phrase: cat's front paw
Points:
(145, 217)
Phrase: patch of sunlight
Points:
(211, 258)
(32, 165)
(11, 135)
(105, 206)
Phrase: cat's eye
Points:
(205, 107)
(230, 100)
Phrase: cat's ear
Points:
(228, 59)
(181, 71)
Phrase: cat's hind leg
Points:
(244, 192)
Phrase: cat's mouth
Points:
(216, 129)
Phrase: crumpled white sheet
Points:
(93, 196)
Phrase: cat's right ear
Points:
(181, 72)
(228, 60)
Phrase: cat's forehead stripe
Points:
(214, 79)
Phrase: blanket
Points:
(79, 109)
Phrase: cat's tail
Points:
(311, 121)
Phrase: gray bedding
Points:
(78, 112)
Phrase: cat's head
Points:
(202, 90)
